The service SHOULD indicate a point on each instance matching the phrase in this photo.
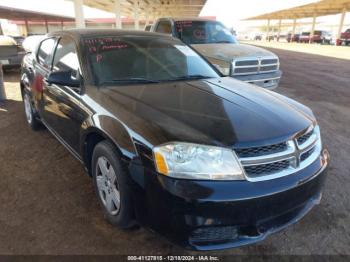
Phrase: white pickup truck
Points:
(215, 42)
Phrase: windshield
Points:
(203, 32)
(135, 59)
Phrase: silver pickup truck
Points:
(215, 42)
(11, 54)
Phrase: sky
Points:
(230, 12)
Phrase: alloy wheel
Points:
(107, 185)
(28, 109)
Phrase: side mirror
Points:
(65, 78)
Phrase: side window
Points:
(164, 27)
(44, 52)
(66, 58)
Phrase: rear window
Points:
(203, 32)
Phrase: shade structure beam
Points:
(79, 14)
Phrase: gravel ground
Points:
(342, 52)
(48, 205)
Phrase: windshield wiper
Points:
(223, 42)
(129, 80)
(189, 77)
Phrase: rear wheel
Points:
(32, 121)
(111, 185)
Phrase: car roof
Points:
(79, 33)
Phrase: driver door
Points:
(63, 115)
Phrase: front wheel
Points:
(111, 185)
(32, 121)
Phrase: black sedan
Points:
(208, 161)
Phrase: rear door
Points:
(62, 103)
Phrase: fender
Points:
(109, 128)
(113, 130)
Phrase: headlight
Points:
(193, 161)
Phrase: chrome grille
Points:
(303, 138)
(278, 160)
(246, 70)
(269, 61)
(257, 170)
(247, 62)
(307, 154)
(249, 66)
(260, 151)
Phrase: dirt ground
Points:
(341, 52)
(47, 203)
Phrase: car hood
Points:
(222, 111)
(229, 52)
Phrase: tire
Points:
(106, 162)
(31, 117)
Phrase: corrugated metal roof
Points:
(321, 8)
(21, 14)
(164, 8)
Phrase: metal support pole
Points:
(136, 15)
(27, 27)
(79, 14)
(47, 26)
(279, 30)
(118, 14)
(312, 29)
(268, 30)
(294, 27)
(147, 17)
(341, 24)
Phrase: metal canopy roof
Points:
(20, 14)
(178, 8)
(321, 8)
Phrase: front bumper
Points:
(207, 215)
(265, 80)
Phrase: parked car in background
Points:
(344, 38)
(208, 161)
(215, 42)
(293, 38)
(19, 39)
(304, 37)
(320, 37)
(258, 37)
(148, 27)
(11, 54)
